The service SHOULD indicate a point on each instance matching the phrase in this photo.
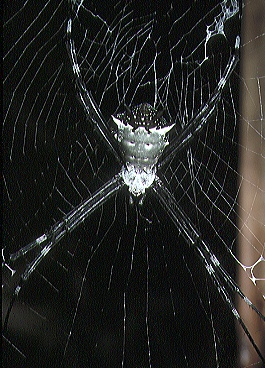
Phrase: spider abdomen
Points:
(141, 142)
(141, 147)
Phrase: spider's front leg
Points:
(205, 112)
(90, 106)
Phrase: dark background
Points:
(186, 315)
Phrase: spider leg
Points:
(212, 265)
(92, 110)
(226, 297)
(197, 123)
(43, 244)
(46, 242)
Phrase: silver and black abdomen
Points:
(141, 134)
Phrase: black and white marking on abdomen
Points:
(141, 133)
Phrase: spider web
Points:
(124, 289)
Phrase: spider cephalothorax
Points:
(141, 133)
(143, 115)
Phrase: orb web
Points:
(124, 289)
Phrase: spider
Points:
(141, 146)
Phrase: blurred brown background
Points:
(252, 184)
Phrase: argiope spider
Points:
(140, 145)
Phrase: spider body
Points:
(141, 134)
